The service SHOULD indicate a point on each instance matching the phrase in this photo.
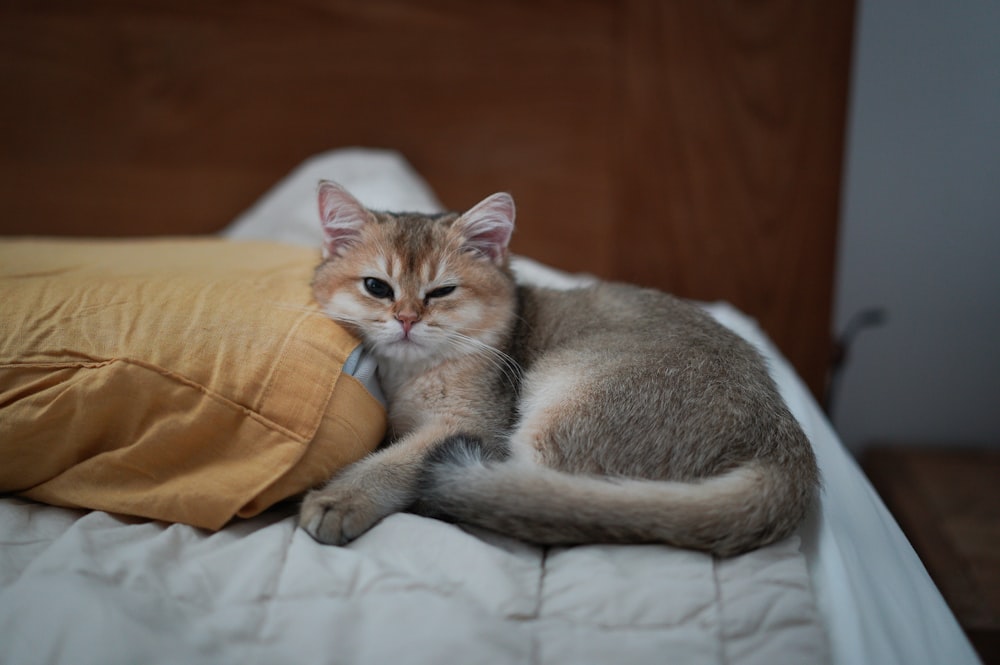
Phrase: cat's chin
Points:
(406, 351)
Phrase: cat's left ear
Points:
(488, 225)
(342, 217)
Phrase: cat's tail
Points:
(745, 508)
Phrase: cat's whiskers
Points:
(350, 320)
(506, 365)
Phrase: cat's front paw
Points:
(334, 516)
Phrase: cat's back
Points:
(660, 368)
(622, 317)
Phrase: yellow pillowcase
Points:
(182, 380)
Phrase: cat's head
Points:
(415, 287)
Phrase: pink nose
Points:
(407, 319)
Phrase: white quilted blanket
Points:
(92, 588)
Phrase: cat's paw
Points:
(335, 516)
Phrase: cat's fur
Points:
(602, 414)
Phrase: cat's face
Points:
(416, 288)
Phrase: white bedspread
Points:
(83, 588)
(97, 589)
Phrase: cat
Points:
(604, 414)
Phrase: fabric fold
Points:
(185, 380)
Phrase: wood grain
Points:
(690, 146)
(737, 115)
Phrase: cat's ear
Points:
(487, 226)
(342, 217)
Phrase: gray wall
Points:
(920, 233)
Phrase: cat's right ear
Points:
(342, 217)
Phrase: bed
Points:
(690, 170)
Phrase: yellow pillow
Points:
(185, 380)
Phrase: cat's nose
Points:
(407, 319)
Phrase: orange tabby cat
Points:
(602, 414)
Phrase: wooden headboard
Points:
(692, 146)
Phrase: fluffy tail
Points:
(745, 508)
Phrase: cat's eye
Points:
(440, 292)
(378, 288)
